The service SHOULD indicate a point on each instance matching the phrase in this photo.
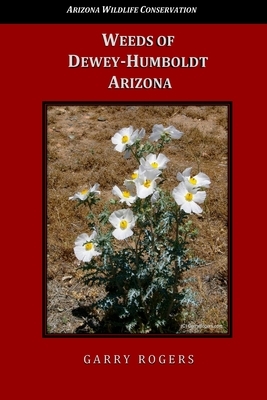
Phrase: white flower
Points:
(126, 137)
(134, 176)
(130, 183)
(123, 220)
(127, 154)
(154, 162)
(135, 136)
(94, 188)
(125, 195)
(141, 133)
(146, 181)
(199, 180)
(83, 194)
(155, 196)
(188, 198)
(85, 247)
(159, 130)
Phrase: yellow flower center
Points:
(134, 175)
(123, 224)
(189, 196)
(125, 139)
(88, 246)
(154, 164)
(147, 183)
(193, 181)
(126, 194)
(84, 191)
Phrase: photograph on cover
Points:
(137, 219)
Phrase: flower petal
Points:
(122, 234)
(114, 220)
(200, 196)
(196, 208)
(81, 239)
(187, 206)
(79, 252)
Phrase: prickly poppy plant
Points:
(137, 247)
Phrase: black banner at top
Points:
(219, 12)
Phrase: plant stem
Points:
(134, 154)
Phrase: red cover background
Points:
(34, 69)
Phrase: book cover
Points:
(134, 135)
